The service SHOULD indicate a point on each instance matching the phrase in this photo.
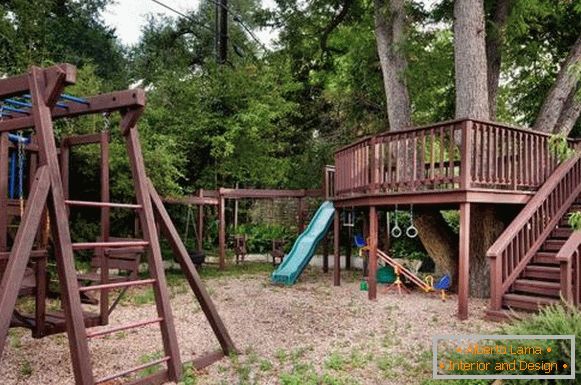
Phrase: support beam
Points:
(336, 249)
(326, 254)
(200, 233)
(71, 300)
(4, 145)
(464, 261)
(149, 230)
(222, 231)
(181, 255)
(105, 227)
(372, 277)
(20, 254)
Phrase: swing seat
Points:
(359, 241)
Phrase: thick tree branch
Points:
(567, 80)
(390, 36)
(337, 19)
(494, 42)
(569, 114)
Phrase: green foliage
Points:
(189, 376)
(559, 146)
(259, 237)
(574, 220)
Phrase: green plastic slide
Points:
(304, 248)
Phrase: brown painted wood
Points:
(222, 232)
(336, 249)
(181, 255)
(20, 253)
(149, 231)
(372, 242)
(71, 302)
(464, 261)
(105, 226)
(4, 191)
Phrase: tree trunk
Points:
(494, 42)
(390, 20)
(567, 80)
(435, 234)
(470, 60)
(440, 243)
(569, 114)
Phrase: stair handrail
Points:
(538, 219)
(568, 257)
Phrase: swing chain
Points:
(412, 231)
(396, 231)
(107, 121)
(21, 156)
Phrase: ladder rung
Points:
(117, 285)
(95, 245)
(132, 370)
(103, 204)
(134, 325)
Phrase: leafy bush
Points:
(575, 220)
(259, 237)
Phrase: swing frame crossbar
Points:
(48, 188)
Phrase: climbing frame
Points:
(48, 193)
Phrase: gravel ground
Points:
(309, 333)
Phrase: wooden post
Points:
(154, 258)
(326, 254)
(201, 224)
(372, 277)
(464, 261)
(105, 228)
(236, 211)
(466, 155)
(222, 230)
(4, 191)
(301, 216)
(336, 250)
(181, 255)
(348, 243)
(64, 163)
(71, 301)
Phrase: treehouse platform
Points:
(454, 165)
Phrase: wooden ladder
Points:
(47, 191)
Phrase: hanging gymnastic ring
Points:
(411, 232)
(396, 232)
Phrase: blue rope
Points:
(12, 176)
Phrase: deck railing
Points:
(569, 258)
(461, 154)
(521, 240)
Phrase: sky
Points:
(129, 16)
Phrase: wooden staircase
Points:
(532, 261)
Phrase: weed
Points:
(147, 358)
(25, 369)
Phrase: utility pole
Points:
(223, 31)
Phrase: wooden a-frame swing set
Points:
(48, 193)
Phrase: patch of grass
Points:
(245, 269)
(189, 377)
(14, 336)
(139, 297)
(390, 365)
(265, 365)
(281, 355)
(25, 369)
(146, 358)
(335, 361)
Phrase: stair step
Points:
(546, 258)
(551, 289)
(526, 302)
(550, 273)
(562, 232)
(553, 244)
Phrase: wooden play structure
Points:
(219, 198)
(459, 164)
(40, 220)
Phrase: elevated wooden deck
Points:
(450, 165)
(443, 164)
